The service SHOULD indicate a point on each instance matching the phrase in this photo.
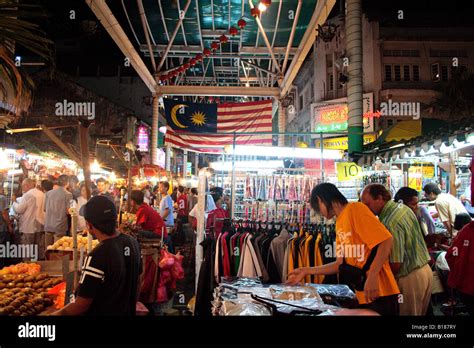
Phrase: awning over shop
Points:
(149, 170)
(435, 133)
(404, 130)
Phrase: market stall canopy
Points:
(404, 130)
(148, 170)
(234, 43)
(435, 135)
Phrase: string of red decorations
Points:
(223, 39)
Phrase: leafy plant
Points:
(17, 28)
(456, 96)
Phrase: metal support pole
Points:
(196, 163)
(200, 217)
(265, 38)
(232, 208)
(322, 157)
(168, 158)
(185, 163)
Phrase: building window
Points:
(396, 69)
(301, 101)
(406, 73)
(444, 73)
(401, 53)
(388, 73)
(330, 82)
(435, 72)
(416, 73)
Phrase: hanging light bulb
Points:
(247, 84)
(95, 167)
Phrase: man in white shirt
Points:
(446, 204)
(27, 208)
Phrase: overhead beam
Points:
(110, 23)
(280, 50)
(218, 91)
(55, 139)
(173, 36)
(265, 38)
(320, 15)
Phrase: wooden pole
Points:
(60, 144)
(129, 188)
(84, 141)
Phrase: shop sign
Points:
(347, 171)
(428, 169)
(333, 117)
(189, 169)
(143, 139)
(340, 143)
(415, 178)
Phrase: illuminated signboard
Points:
(143, 139)
(332, 117)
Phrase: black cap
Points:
(99, 208)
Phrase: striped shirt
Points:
(409, 247)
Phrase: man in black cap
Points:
(108, 283)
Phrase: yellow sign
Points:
(415, 178)
(428, 169)
(348, 171)
(341, 142)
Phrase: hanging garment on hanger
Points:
(206, 280)
(318, 260)
(292, 189)
(249, 265)
(278, 248)
(248, 187)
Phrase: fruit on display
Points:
(21, 268)
(67, 243)
(25, 294)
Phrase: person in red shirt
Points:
(182, 203)
(149, 221)
(215, 218)
(460, 258)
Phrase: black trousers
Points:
(386, 306)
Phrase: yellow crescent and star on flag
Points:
(191, 117)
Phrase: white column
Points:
(281, 123)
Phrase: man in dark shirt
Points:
(108, 283)
(148, 220)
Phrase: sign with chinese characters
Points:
(143, 139)
(332, 116)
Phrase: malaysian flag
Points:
(252, 117)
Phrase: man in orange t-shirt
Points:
(358, 231)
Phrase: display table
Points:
(249, 297)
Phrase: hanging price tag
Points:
(348, 171)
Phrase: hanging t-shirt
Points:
(358, 231)
(110, 277)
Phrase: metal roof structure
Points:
(170, 43)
